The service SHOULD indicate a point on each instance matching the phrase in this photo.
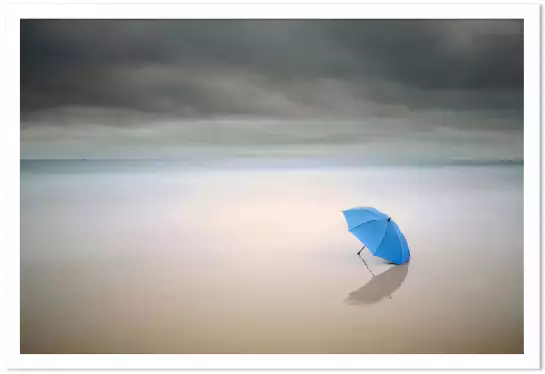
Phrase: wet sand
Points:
(200, 260)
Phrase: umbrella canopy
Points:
(379, 233)
(380, 286)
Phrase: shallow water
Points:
(181, 259)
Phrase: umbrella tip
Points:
(389, 218)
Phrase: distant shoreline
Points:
(112, 165)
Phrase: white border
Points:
(529, 360)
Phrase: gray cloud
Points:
(463, 74)
(98, 62)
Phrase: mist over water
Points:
(136, 257)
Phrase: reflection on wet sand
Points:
(380, 287)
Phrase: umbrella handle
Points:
(361, 249)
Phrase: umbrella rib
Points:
(363, 223)
(381, 240)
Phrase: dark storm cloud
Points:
(271, 69)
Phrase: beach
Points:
(120, 257)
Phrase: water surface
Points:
(174, 258)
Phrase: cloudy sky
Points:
(176, 88)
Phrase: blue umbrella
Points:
(378, 233)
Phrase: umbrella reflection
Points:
(380, 287)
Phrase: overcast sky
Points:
(169, 88)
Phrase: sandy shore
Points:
(259, 261)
